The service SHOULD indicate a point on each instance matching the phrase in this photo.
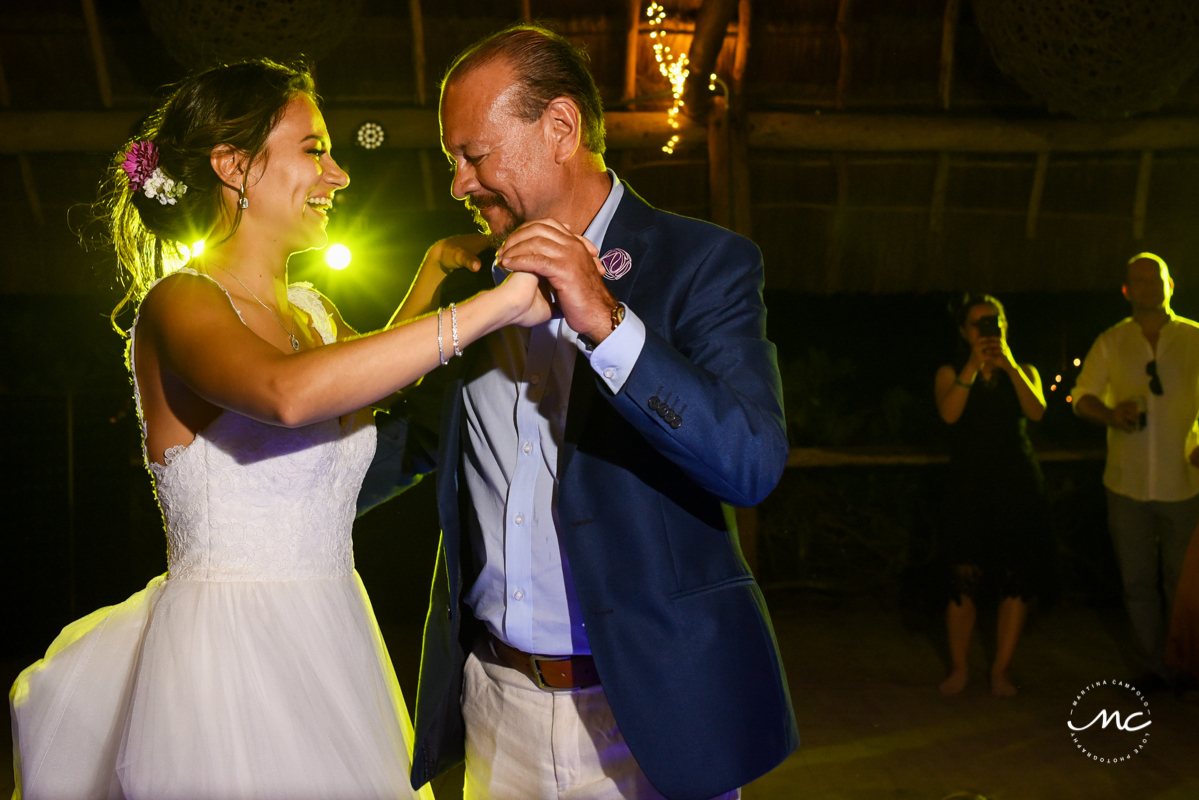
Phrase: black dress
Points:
(997, 537)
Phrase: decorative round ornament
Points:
(1094, 59)
(201, 33)
(370, 135)
(617, 264)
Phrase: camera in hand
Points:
(988, 325)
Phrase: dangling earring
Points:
(242, 202)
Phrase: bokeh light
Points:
(370, 136)
(338, 256)
(197, 249)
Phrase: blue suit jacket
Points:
(677, 625)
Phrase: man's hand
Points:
(1125, 416)
(548, 249)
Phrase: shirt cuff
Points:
(614, 358)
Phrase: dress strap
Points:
(308, 300)
(129, 349)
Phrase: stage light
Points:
(197, 249)
(370, 136)
(338, 256)
(1069, 399)
(1058, 379)
(1077, 362)
(1053, 388)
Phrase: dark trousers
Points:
(1151, 538)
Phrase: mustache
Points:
(496, 236)
(477, 203)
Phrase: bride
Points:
(254, 668)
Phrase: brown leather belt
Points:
(552, 673)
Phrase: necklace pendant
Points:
(295, 343)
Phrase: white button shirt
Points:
(1149, 464)
(515, 406)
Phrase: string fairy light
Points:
(673, 67)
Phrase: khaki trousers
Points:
(523, 743)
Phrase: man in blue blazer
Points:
(593, 628)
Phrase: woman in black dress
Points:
(997, 532)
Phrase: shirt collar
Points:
(595, 232)
(598, 228)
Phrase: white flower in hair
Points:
(158, 185)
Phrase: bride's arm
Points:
(199, 338)
(445, 256)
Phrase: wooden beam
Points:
(741, 54)
(936, 216)
(1140, 203)
(632, 45)
(720, 206)
(1034, 197)
(895, 132)
(851, 457)
(415, 128)
(949, 32)
(5, 97)
(31, 195)
(711, 28)
(418, 50)
(839, 227)
(428, 179)
(97, 44)
(739, 128)
(845, 69)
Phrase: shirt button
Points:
(518, 595)
(535, 379)
(528, 448)
(609, 373)
(520, 518)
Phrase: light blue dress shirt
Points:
(515, 413)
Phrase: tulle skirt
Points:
(196, 690)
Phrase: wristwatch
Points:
(617, 318)
(617, 315)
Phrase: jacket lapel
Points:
(629, 231)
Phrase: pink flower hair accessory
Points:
(141, 165)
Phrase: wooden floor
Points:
(864, 677)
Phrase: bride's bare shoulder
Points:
(184, 295)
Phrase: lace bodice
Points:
(251, 501)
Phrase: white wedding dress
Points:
(254, 668)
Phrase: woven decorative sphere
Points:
(1095, 59)
(200, 33)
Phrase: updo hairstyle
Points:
(236, 105)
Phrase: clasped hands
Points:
(993, 350)
(547, 250)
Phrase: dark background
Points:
(857, 280)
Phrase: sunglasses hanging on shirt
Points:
(1155, 383)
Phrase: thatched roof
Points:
(881, 148)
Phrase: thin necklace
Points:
(295, 343)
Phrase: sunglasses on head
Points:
(1155, 383)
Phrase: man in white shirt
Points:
(1141, 381)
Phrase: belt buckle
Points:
(541, 684)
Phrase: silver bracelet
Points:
(454, 328)
(440, 349)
